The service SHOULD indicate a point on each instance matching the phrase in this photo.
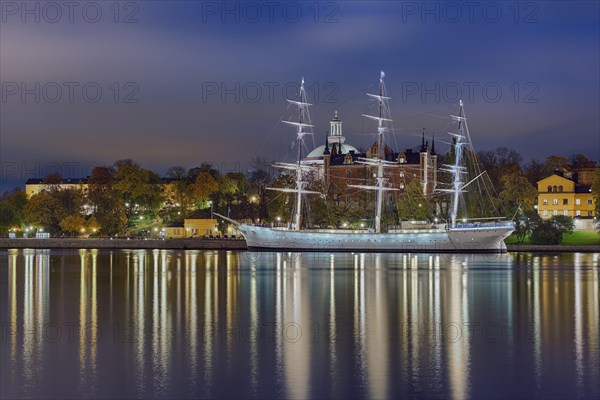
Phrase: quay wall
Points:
(175, 244)
(214, 244)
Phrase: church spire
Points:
(433, 145)
(423, 145)
(326, 151)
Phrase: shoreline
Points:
(218, 244)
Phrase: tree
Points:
(525, 223)
(517, 190)
(9, 218)
(178, 188)
(11, 209)
(72, 223)
(107, 205)
(551, 231)
(413, 204)
(557, 164)
(48, 207)
(499, 162)
(596, 194)
(193, 173)
(137, 185)
(203, 187)
(535, 171)
(579, 160)
(92, 225)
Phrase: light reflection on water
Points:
(162, 323)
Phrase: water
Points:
(141, 324)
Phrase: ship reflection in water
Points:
(179, 324)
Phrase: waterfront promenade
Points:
(216, 244)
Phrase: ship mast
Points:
(379, 161)
(303, 127)
(457, 170)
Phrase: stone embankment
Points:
(214, 244)
(176, 244)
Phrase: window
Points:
(545, 202)
(549, 188)
(554, 188)
(565, 202)
(401, 174)
(566, 213)
(402, 186)
(578, 202)
(555, 201)
(590, 202)
(578, 213)
(545, 213)
(554, 212)
(560, 188)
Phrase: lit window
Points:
(555, 201)
(545, 214)
(554, 212)
(578, 213)
(578, 202)
(566, 213)
(401, 174)
(402, 186)
(545, 202)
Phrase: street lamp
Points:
(211, 208)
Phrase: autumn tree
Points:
(517, 190)
(596, 192)
(107, 206)
(558, 164)
(499, 162)
(48, 207)
(72, 224)
(413, 204)
(137, 185)
(203, 187)
(12, 205)
(535, 171)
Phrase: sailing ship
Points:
(457, 235)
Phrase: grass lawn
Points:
(577, 238)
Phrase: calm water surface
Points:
(141, 324)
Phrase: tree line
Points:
(126, 198)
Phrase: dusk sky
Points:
(188, 82)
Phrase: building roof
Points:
(318, 151)
(583, 189)
(63, 181)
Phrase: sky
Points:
(184, 82)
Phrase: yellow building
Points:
(199, 227)
(34, 186)
(561, 196)
(175, 231)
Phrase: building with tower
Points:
(340, 166)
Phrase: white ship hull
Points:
(459, 239)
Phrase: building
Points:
(199, 227)
(340, 166)
(34, 186)
(190, 228)
(558, 195)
